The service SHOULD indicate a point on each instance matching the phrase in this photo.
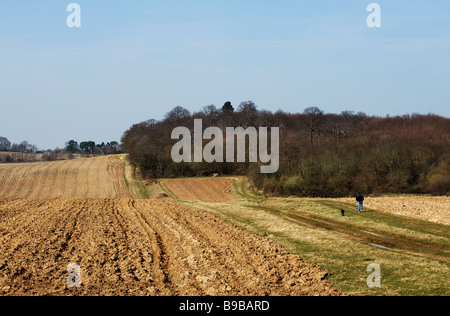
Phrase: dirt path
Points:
(144, 247)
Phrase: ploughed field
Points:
(53, 214)
(214, 190)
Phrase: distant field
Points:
(24, 157)
(213, 190)
(100, 177)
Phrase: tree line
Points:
(323, 155)
(91, 148)
(23, 147)
(13, 152)
(26, 152)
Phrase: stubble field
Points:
(100, 177)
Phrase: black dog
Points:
(342, 212)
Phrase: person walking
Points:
(360, 200)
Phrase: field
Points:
(430, 208)
(213, 190)
(81, 211)
(207, 236)
(100, 177)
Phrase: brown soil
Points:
(144, 247)
(214, 190)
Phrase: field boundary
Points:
(136, 187)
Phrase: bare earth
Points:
(430, 208)
(79, 211)
(214, 190)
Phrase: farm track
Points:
(366, 234)
(80, 211)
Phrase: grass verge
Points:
(135, 186)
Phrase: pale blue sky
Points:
(135, 60)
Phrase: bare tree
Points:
(5, 144)
(315, 118)
(211, 114)
(248, 113)
(176, 114)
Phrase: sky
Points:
(131, 61)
